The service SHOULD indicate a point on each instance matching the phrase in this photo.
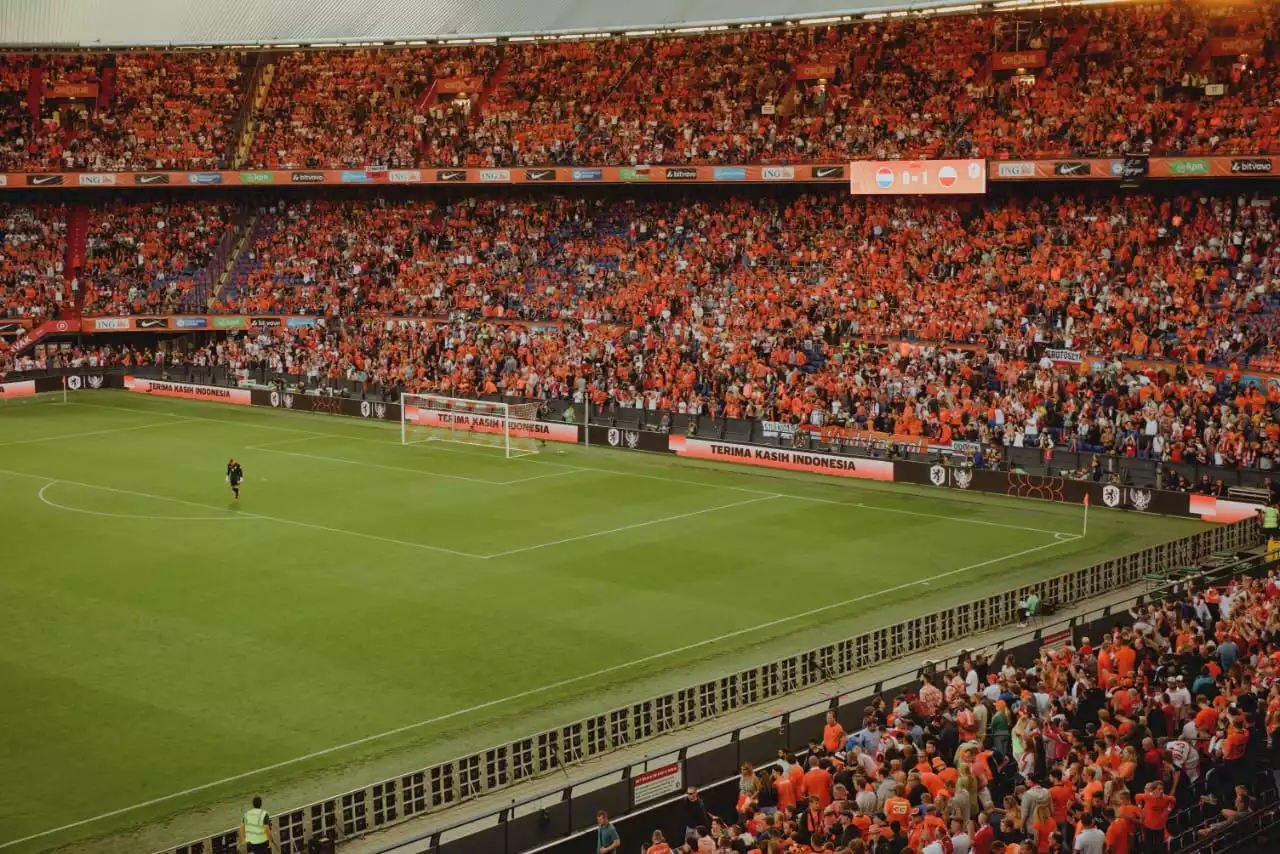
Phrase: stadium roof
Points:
(290, 23)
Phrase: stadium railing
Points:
(407, 796)
(711, 763)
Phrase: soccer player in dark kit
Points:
(235, 475)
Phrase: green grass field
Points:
(155, 639)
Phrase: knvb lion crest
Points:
(1111, 495)
(938, 475)
(614, 436)
(275, 399)
(73, 383)
(366, 409)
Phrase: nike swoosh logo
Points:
(538, 176)
(826, 173)
(49, 179)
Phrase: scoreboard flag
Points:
(917, 177)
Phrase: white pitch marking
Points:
(521, 695)
(365, 464)
(313, 526)
(263, 446)
(619, 530)
(545, 476)
(136, 516)
(69, 436)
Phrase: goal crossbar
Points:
(484, 423)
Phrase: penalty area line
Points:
(532, 692)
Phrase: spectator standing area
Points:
(474, 598)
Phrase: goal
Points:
(488, 424)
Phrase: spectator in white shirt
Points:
(1090, 840)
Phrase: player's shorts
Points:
(258, 847)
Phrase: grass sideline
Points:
(370, 608)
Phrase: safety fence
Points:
(396, 800)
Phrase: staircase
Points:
(490, 85)
(246, 124)
(231, 252)
(77, 247)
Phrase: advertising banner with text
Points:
(160, 388)
(905, 177)
(464, 421)
(1012, 60)
(781, 458)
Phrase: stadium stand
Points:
(112, 112)
(1154, 739)
(1114, 80)
(152, 258)
(923, 319)
(33, 243)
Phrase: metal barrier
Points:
(711, 763)
(399, 799)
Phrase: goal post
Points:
(484, 423)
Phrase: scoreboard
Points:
(917, 177)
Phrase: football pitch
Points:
(368, 608)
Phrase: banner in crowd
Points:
(162, 388)
(1012, 60)
(781, 458)
(1064, 357)
(917, 177)
(778, 430)
(849, 438)
(80, 91)
(458, 86)
(814, 70)
(1236, 45)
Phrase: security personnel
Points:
(1270, 521)
(255, 829)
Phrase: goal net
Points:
(488, 424)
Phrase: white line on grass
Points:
(530, 693)
(264, 445)
(618, 472)
(313, 526)
(54, 504)
(69, 436)
(619, 530)
(544, 476)
(364, 464)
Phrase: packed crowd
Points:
(147, 111)
(1146, 741)
(359, 108)
(152, 258)
(1116, 80)
(33, 245)
(1005, 324)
